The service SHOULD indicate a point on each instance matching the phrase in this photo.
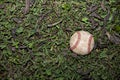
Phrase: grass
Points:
(35, 46)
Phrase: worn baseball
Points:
(82, 42)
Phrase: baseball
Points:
(82, 42)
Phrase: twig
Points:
(92, 8)
(27, 6)
(50, 25)
(96, 16)
(103, 5)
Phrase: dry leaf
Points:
(17, 20)
(114, 38)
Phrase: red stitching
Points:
(89, 43)
(77, 42)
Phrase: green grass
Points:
(35, 46)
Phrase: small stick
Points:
(103, 5)
(50, 25)
(27, 6)
(96, 16)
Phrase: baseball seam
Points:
(89, 43)
(77, 42)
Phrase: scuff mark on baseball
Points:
(82, 42)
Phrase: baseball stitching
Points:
(89, 43)
(77, 42)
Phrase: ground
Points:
(35, 35)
